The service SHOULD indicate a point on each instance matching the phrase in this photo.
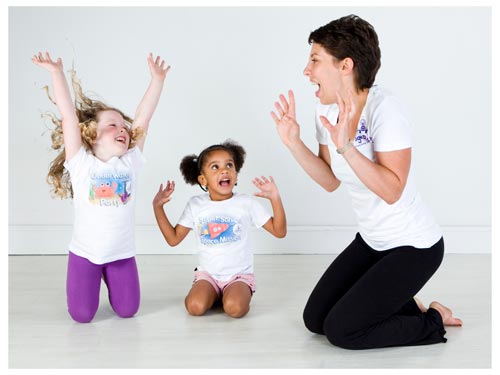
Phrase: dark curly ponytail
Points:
(192, 165)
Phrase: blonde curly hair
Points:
(87, 110)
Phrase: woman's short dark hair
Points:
(353, 37)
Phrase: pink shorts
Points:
(219, 286)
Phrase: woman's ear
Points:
(347, 65)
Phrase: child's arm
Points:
(71, 130)
(172, 235)
(276, 225)
(148, 104)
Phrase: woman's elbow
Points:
(331, 187)
(390, 199)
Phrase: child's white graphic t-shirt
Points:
(222, 232)
(104, 196)
(383, 126)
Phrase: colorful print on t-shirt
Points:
(110, 190)
(216, 230)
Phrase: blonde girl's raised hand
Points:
(157, 67)
(64, 102)
(149, 102)
(164, 194)
(347, 110)
(285, 119)
(47, 63)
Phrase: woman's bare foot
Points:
(446, 314)
(420, 305)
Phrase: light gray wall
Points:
(228, 67)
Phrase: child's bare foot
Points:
(446, 314)
(420, 305)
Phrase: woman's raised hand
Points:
(286, 123)
(340, 132)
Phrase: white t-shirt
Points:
(383, 126)
(222, 232)
(104, 200)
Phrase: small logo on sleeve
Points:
(362, 137)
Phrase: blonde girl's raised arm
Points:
(149, 102)
(64, 102)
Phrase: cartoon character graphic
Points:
(126, 192)
(105, 189)
(110, 191)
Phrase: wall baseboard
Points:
(54, 239)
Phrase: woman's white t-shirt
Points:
(104, 195)
(383, 126)
(222, 232)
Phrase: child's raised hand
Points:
(157, 67)
(267, 187)
(163, 195)
(47, 63)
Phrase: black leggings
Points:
(365, 298)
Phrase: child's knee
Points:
(126, 310)
(195, 307)
(82, 314)
(235, 309)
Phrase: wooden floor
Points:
(272, 335)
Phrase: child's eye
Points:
(229, 165)
(214, 167)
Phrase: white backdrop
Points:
(228, 67)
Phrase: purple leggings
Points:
(83, 286)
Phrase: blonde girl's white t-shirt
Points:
(104, 195)
(383, 126)
(222, 231)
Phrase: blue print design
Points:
(362, 136)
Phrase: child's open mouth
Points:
(225, 182)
